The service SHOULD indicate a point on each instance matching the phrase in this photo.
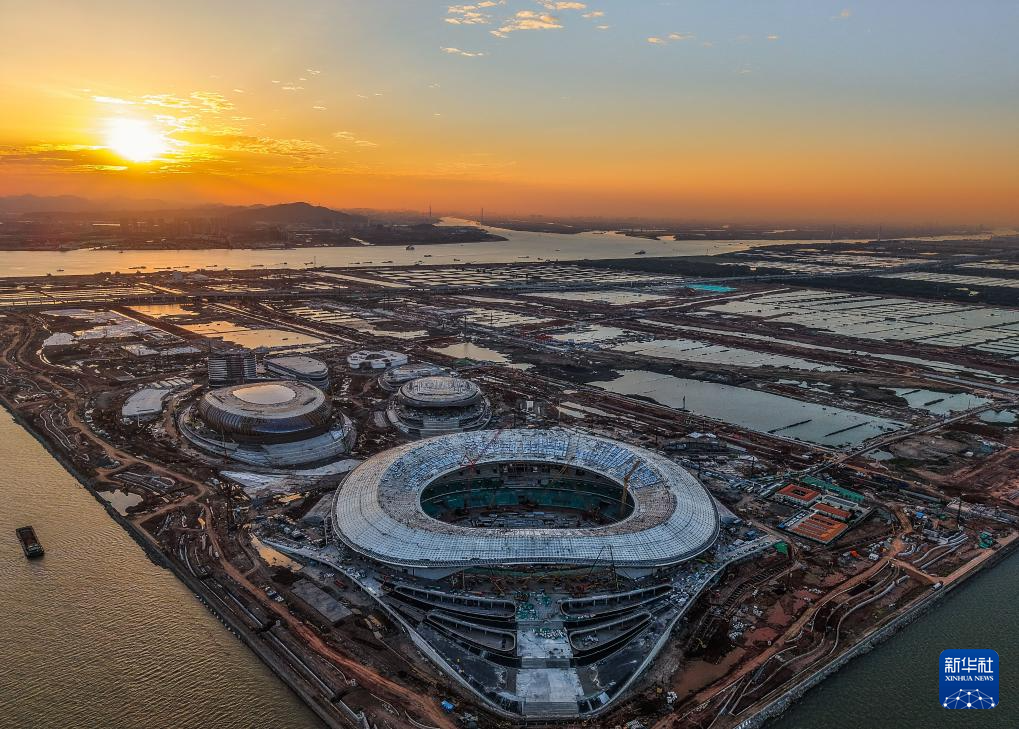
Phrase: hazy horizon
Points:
(840, 111)
(117, 206)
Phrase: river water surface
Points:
(519, 247)
(95, 635)
(896, 685)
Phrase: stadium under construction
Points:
(557, 557)
(543, 569)
(438, 405)
(279, 424)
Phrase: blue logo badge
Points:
(969, 678)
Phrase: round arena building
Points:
(281, 424)
(393, 379)
(530, 561)
(438, 405)
(498, 499)
(266, 411)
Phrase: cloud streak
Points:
(541, 18)
(460, 52)
(298, 149)
(657, 40)
(553, 5)
(352, 138)
(470, 14)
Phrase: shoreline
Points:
(760, 719)
(489, 238)
(159, 559)
(920, 607)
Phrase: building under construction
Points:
(428, 406)
(231, 367)
(539, 567)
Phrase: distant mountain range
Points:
(297, 213)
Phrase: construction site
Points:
(659, 493)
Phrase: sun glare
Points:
(136, 140)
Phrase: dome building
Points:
(393, 379)
(429, 406)
(274, 424)
(299, 367)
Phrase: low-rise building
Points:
(797, 495)
(301, 368)
(368, 359)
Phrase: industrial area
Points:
(645, 492)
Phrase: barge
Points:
(30, 542)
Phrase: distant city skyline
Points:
(789, 109)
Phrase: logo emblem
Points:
(969, 678)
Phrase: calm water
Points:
(896, 685)
(520, 247)
(693, 350)
(95, 635)
(761, 411)
(251, 338)
(470, 350)
(939, 403)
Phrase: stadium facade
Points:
(279, 424)
(656, 513)
(429, 406)
(542, 569)
(393, 379)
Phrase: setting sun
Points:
(135, 140)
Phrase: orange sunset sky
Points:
(904, 111)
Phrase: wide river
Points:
(520, 247)
(95, 635)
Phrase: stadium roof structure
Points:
(283, 409)
(375, 360)
(440, 392)
(378, 511)
(394, 377)
(300, 364)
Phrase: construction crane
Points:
(629, 474)
(626, 485)
(586, 580)
(571, 455)
(472, 463)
